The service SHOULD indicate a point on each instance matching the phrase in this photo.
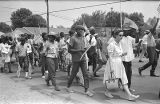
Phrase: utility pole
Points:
(111, 19)
(121, 14)
(47, 16)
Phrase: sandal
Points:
(88, 93)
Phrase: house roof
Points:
(38, 31)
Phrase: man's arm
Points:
(154, 28)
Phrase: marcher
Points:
(42, 54)
(152, 54)
(21, 50)
(100, 52)
(144, 45)
(6, 52)
(77, 48)
(51, 57)
(128, 43)
(92, 52)
(115, 64)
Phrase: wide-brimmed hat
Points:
(52, 34)
(80, 27)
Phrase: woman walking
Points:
(116, 66)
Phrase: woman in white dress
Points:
(115, 65)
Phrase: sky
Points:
(66, 18)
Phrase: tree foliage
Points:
(35, 21)
(18, 17)
(4, 27)
(110, 19)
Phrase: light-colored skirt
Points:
(117, 67)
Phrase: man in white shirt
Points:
(127, 44)
(92, 52)
(144, 45)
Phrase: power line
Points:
(84, 7)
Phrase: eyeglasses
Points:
(120, 35)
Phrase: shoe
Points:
(56, 88)
(70, 90)
(140, 61)
(140, 71)
(43, 77)
(133, 97)
(28, 77)
(132, 90)
(153, 75)
(88, 93)
(108, 94)
(95, 75)
(47, 82)
(10, 72)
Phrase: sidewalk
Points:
(15, 90)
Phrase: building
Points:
(36, 31)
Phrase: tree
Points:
(151, 21)
(19, 16)
(35, 21)
(98, 18)
(4, 27)
(60, 26)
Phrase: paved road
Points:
(15, 90)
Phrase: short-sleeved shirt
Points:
(150, 40)
(127, 46)
(77, 43)
(144, 39)
(22, 50)
(51, 49)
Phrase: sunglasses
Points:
(120, 35)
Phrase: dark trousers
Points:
(43, 63)
(128, 70)
(51, 70)
(24, 63)
(93, 60)
(75, 69)
(152, 55)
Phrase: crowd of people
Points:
(77, 52)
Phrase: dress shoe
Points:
(56, 88)
(47, 82)
(10, 72)
(140, 71)
(108, 94)
(95, 75)
(133, 97)
(153, 75)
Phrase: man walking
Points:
(152, 54)
(127, 44)
(77, 47)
